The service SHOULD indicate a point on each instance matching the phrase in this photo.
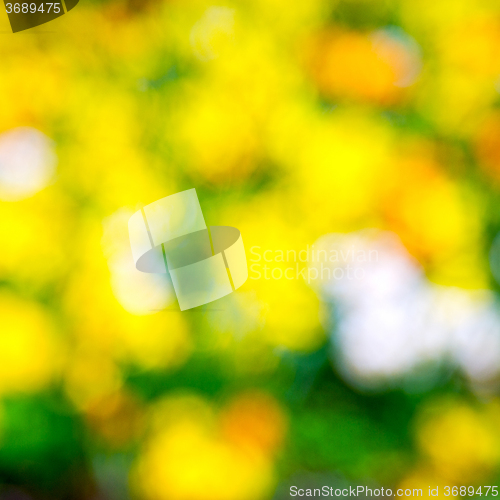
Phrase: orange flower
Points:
(116, 417)
(359, 66)
(487, 146)
(254, 421)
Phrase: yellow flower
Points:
(345, 170)
(438, 221)
(462, 44)
(194, 453)
(461, 442)
(428, 481)
(284, 310)
(217, 135)
(90, 375)
(103, 161)
(472, 46)
(289, 20)
(150, 340)
(34, 238)
(30, 354)
(456, 100)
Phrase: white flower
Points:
(27, 163)
(138, 293)
(390, 319)
(216, 26)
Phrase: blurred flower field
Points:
(351, 127)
